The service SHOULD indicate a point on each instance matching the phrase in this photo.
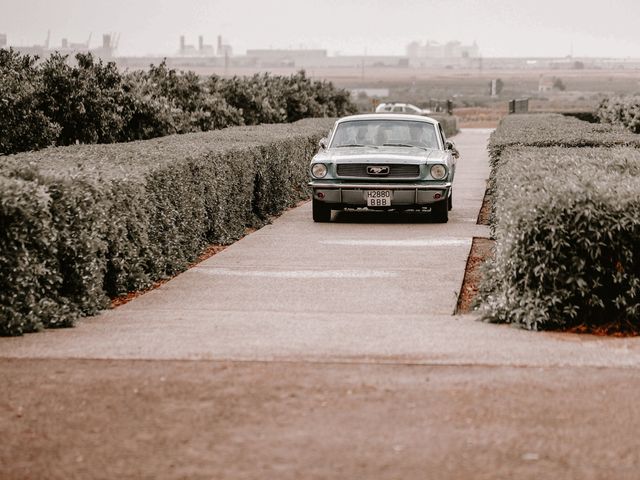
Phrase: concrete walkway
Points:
(364, 305)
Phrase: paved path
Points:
(330, 351)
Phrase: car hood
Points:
(380, 155)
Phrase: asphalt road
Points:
(321, 351)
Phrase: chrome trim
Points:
(364, 171)
(380, 186)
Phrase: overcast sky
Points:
(524, 28)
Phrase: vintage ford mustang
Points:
(384, 161)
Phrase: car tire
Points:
(321, 211)
(440, 211)
(450, 201)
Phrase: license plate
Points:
(378, 198)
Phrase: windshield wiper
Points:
(358, 145)
(403, 145)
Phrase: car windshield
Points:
(403, 133)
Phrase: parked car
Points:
(401, 108)
(384, 161)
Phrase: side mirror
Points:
(450, 146)
(323, 143)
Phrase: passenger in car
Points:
(382, 135)
(362, 137)
(423, 136)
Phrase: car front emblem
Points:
(377, 170)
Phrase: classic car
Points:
(384, 161)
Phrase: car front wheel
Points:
(321, 211)
(440, 211)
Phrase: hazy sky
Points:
(500, 27)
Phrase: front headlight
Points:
(318, 170)
(439, 172)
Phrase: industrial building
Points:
(207, 57)
(106, 51)
(434, 53)
(204, 50)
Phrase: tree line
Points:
(58, 102)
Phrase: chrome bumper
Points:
(354, 194)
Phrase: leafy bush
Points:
(264, 98)
(147, 114)
(571, 257)
(192, 107)
(623, 111)
(29, 269)
(85, 222)
(23, 125)
(54, 102)
(84, 100)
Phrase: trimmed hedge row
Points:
(566, 221)
(623, 111)
(549, 130)
(567, 224)
(84, 223)
(554, 129)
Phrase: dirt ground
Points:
(480, 117)
(105, 419)
(481, 251)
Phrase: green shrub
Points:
(566, 223)
(92, 221)
(23, 125)
(63, 103)
(191, 107)
(30, 277)
(264, 98)
(623, 111)
(85, 100)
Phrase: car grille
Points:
(360, 170)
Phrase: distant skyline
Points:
(502, 28)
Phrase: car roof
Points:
(388, 116)
(397, 104)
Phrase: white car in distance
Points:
(401, 108)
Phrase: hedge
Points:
(549, 130)
(554, 129)
(566, 223)
(84, 223)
